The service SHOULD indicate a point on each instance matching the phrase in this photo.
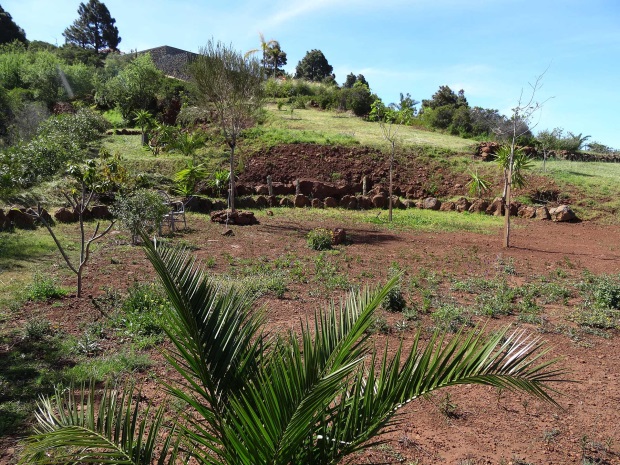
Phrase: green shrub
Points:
(141, 313)
(44, 288)
(37, 329)
(320, 239)
(143, 210)
(59, 140)
(394, 301)
(606, 292)
(449, 317)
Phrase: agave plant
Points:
(249, 398)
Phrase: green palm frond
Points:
(269, 422)
(313, 397)
(213, 328)
(85, 429)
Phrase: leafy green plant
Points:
(37, 329)
(187, 180)
(395, 300)
(521, 163)
(44, 288)
(141, 210)
(314, 397)
(144, 120)
(477, 185)
(141, 313)
(219, 182)
(188, 142)
(320, 239)
(450, 317)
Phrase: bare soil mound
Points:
(288, 162)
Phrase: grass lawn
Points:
(339, 125)
(598, 183)
(141, 160)
(411, 219)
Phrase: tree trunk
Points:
(231, 193)
(391, 171)
(79, 284)
(508, 193)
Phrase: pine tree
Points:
(9, 31)
(314, 67)
(94, 28)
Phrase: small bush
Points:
(44, 288)
(449, 317)
(320, 239)
(37, 329)
(143, 210)
(394, 301)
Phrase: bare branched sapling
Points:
(79, 201)
(521, 117)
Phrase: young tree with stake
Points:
(232, 86)
(87, 177)
(521, 117)
(389, 119)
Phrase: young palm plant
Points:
(250, 398)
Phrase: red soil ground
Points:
(487, 428)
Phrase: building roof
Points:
(171, 61)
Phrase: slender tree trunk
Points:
(507, 199)
(231, 194)
(391, 183)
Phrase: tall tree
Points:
(9, 31)
(263, 49)
(272, 55)
(314, 67)
(94, 28)
(348, 83)
(231, 84)
(274, 59)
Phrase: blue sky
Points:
(490, 48)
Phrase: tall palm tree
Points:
(265, 47)
(314, 397)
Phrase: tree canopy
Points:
(314, 67)
(9, 31)
(352, 79)
(94, 28)
(274, 58)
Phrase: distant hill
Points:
(171, 61)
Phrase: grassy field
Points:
(339, 125)
(141, 160)
(598, 185)
(26, 253)
(409, 220)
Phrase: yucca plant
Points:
(521, 162)
(477, 184)
(248, 398)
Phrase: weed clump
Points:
(44, 288)
(320, 239)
